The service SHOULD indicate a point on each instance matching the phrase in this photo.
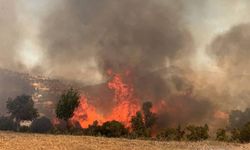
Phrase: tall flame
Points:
(126, 105)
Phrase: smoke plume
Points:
(231, 52)
(10, 33)
(145, 39)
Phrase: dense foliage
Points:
(171, 134)
(68, 102)
(22, 108)
(142, 124)
(197, 133)
(245, 133)
(6, 123)
(113, 129)
(221, 135)
(41, 125)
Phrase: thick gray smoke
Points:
(231, 51)
(146, 37)
(9, 33)
(15, 84)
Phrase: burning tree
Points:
(126, 104)
(67, 104)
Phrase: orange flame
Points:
(126, 105)
(86, 114)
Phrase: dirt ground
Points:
(20, 141)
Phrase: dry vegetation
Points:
(20, 141)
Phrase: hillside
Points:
(20, 141)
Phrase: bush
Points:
(197, 133)
(41, 125)
(113, 129)
(94, 129)
(245, 133)
(235, 135)
(221, 135)
(7, 124)
(171, 134)
(24, 129)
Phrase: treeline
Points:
(22, 109)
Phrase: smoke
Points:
(146, 39)
(15, 84)
(152, 43)
(239, 118)
(10, 33)
(231, 52)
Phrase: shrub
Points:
(94, 129)
(245, 133)
(197, 133)
(113, 129)
(41, 125)
(171, 134)
(24, 129)
(235, 135)
(221, 135)
(7, 123)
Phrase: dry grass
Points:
(19, 141)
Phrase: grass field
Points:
(19, 141)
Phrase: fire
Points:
(86, 114)
(126, 104)
(221, 115)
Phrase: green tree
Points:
(22, 108)
(41, 125)
(137, 125)
(67, 104)
(142, 123)
(149, 117)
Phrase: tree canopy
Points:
(22, 108)
(67, 104)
